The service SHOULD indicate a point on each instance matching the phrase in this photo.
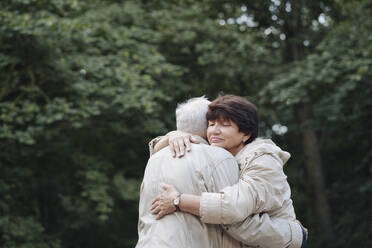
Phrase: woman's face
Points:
(226, 134)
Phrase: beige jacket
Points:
(258, 209)
(204, 169)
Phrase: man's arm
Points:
(266, 232)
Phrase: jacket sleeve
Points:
(262, 187)
(260, 230)
(225, 174)
(152, 144)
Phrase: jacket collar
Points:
(261, 146)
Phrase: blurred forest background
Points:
(85, 84)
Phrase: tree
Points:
(75, 76)
(85, 84)
(327, 83)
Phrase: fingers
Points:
(160, 215)
(179, 142)
(159, 209)
(181, 146)
(187, 143)
(161, 206)
(306, 233)
(176, 147)
(155, 210)
(194, 140)
(165, 186)
(154, 205)
(155, 199)
(172, 149)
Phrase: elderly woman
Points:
(262, 187)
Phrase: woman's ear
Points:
(246, 137)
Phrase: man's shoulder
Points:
(162, 153)
(217, 153)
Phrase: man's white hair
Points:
(191, 116)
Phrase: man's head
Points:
(238, 110)
(191, 116)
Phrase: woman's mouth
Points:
(215, 139)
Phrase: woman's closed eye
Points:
(226, 123)
(210, 124)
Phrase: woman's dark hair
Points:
(237, 109)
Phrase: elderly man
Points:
(206, 169)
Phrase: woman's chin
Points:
(217, 144)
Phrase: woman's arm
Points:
(256, 230)
(190, 204)
(177, 140)
(223, 173)
(160, 144)
(260, 189)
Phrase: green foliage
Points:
(335, 82)
(73, 72)
(84, 85)
(25, 233)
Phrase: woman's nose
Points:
(216, 129)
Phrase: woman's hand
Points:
(163, 204)
(178, 141)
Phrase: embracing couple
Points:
(228, 190)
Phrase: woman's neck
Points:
(236, 149)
